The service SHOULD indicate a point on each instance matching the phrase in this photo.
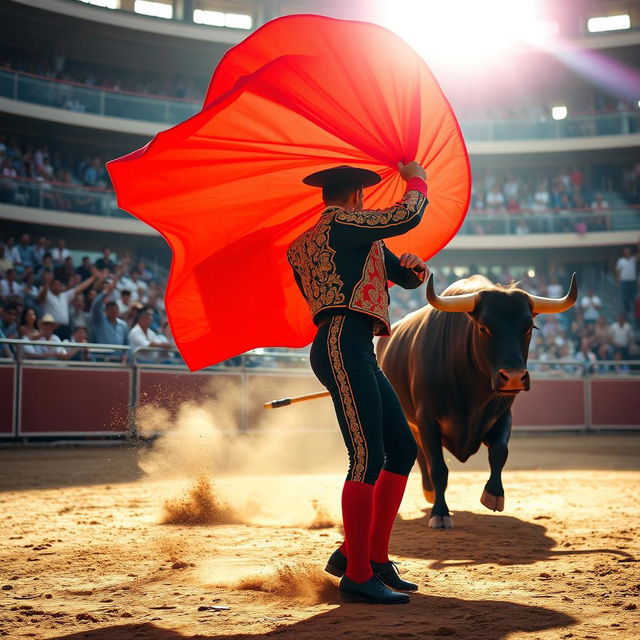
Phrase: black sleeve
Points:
(356, 227)
(406, 278)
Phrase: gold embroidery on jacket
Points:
(370, 293)
(345, 391)
(411, 204)
(312, 258)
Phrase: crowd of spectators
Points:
(82, 179)
(46, 296)
(590, 332)
(59, 67)
(561, 201)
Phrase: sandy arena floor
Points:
(84, 555)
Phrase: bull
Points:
(457, 365)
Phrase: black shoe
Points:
(372, 591)
(387, 571)
(337, 564)
(389, 574)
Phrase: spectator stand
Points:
(44, 398)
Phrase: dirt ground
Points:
(84, 555)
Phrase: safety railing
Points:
(94, 389)
(58, 196)
(66, 198)
(74, 96)
(607, 123)
(99, 101)
(563, 221)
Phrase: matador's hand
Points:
(413, 262)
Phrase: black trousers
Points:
(371, 419)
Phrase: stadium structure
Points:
(551, 118)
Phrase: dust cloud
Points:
(199, 441)
(300, 580)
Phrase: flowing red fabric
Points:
(224, 188)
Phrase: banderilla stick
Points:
(285, 402)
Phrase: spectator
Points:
(495, 199)
(84, 270)
(79, 335)
(78, 317)
(135, 285)
(60, 252)
(28, 328)
(105, 262)
(55, 301)
(124, 303)
(143, 336)
(6, 263)
(627, 274)
(10, 286)
(585, 355)
(47, 328)
(27, 256)
(555, 289)
(621, 335)
(66, 272)
(106, 327)
(8, 320)
(591, 306)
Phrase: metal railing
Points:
(81, 98)
(564, 221)
(58, 196)
(246, 367)
(61, 197)
(74, 96)
(603, 123)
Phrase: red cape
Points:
(224, 188)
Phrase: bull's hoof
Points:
(429, 496)
(493, 503)
(441, 522)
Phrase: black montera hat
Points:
(342, 175)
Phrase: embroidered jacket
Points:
(343, 263)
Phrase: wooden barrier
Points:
(615, 402)
(7, 399)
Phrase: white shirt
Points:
(44, 352)
(591, 306)
(58, 306)
(621, 336)
(138, 338)
(627, 268)
(59, 255)
(16, 290)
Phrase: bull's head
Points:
(502, 320)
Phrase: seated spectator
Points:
(618, 367)
(47, 328)
(621, 335)
(6, 262)
(66, 272)
(105, 262)
(8, 320)
(106, 327)
(145, 274)
(591, 306)
(79, 335)
(10, 285)
(495, 199)
(84, 270)
(78, 317)
(143, 336)
(124, 304)
(60, 253)
(28, 328)
(135, 285)
(585, 355)
(27, 256)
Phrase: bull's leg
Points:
(427, 486)
(498, 442)
(432, 442)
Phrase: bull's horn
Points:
(556, 305)
(461, 302)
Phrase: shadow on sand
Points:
(479, 539)
(424, 616)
